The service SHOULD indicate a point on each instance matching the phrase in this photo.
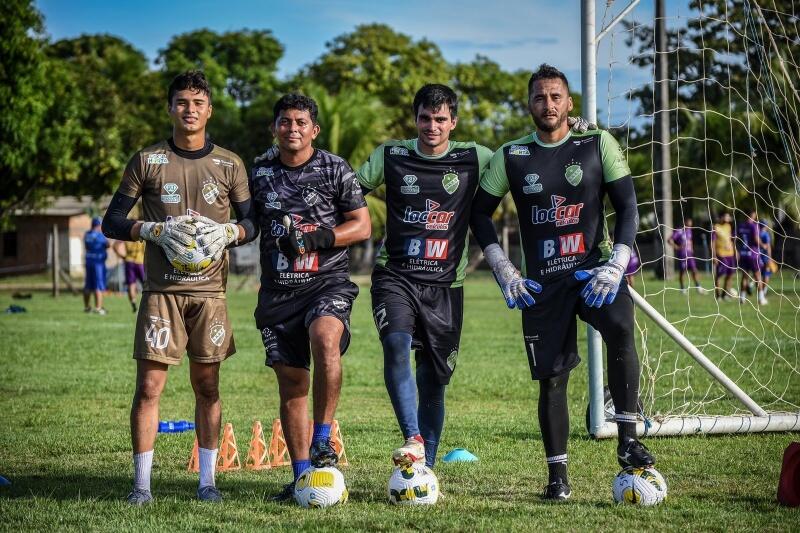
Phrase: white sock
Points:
(142, 466)
(208, 464)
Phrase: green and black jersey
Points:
(558, 190)
(428, 206)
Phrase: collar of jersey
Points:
(426, 156)
(191, 154)
(301, 165)
(551, 145)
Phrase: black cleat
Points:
(322, 454)
(285, 495)
(634, 454)
(557, 492)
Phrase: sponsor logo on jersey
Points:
(398, 150)
(264, 171)
(157, 159)
(573, 173)
(435, 249)
(271, 203)
(560, 214)
(210, 190)
(516, 149)
(305, 263)
(171, 196)
(409, 187)
(310, 196)
(533, 185)
(579, 142)
(450, 181)
(431, 216)
(564, 245)
(456, 155)
(222, 162)
(216, 333)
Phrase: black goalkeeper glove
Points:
(296, 243)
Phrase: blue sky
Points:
(518, 34)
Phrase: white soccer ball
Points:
(639, 486)
(413, 485)
(320, 487)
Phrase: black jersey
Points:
(427, 208)
(315, 194)
(558, 190)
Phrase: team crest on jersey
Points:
(157, 159)
(216, 333)
(409, 187)
(264, 171)
(450, 181)
(516, 149)
(560, 214)
(222, 162)
(533, 185)
(271, 197)
(573, 173)
(398, 150)
(172, 196)
(210, 190)
(431, 216)
(340, 305)
(310, 196)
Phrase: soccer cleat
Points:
(557, 492)
(100, 311)
(139, 497)
(209, 493)
(322, 454)
(87, 309)
(285, 495)
(413, 451)
(133, 306)
(634, 454)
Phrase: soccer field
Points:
(67, 382)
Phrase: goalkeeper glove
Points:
(176, 237)
(296, 243)
(604, 280)
(515, 288)
(215, 237)
(580, 124)
(271, 153)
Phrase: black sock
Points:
(554, 423)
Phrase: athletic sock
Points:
(557, 469)
(142, 467)
(298, 467)
(554, 424)
(626, 426)
(321, 432)
(208, 464)
(431, 409)
(400, 381)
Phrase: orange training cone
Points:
(278, 452)
(258, 453)
(194, 459)
(228, 452)
(789, 484)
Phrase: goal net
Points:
(734, 155)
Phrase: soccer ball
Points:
(320, 487)
(639, 486)
(413, 485)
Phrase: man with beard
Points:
(558, 180)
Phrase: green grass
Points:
(67, 380)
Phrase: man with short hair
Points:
(95, 244)
(187, 185)
(748, 248)
(724, 256)
(558, 180)
(310, 208)
(682, 241)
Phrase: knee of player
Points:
(148, 391)
(207, 390)
(326, 349)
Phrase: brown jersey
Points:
(174, 182)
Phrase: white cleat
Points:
(413, 451)
(762, 301)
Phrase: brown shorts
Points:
(170, 324)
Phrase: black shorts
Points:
(431, 315)
(550, 327)
(283, 317)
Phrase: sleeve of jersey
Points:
(240, 191)
(133, 177)
(350, 195)
(484, 157)
(615, 166)
(494, 179)
(370, 175)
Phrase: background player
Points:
(186, 174)
(417, 293)
(683, 244)
(310, 208)
(748, 248)
(724, 256)
(565, 246)
(132, 253)
(768, 265)
(95, 244)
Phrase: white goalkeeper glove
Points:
(580, 124)
(215, 237)
(176, 237)
(271, 153)
(515, 288)
(604, 280)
